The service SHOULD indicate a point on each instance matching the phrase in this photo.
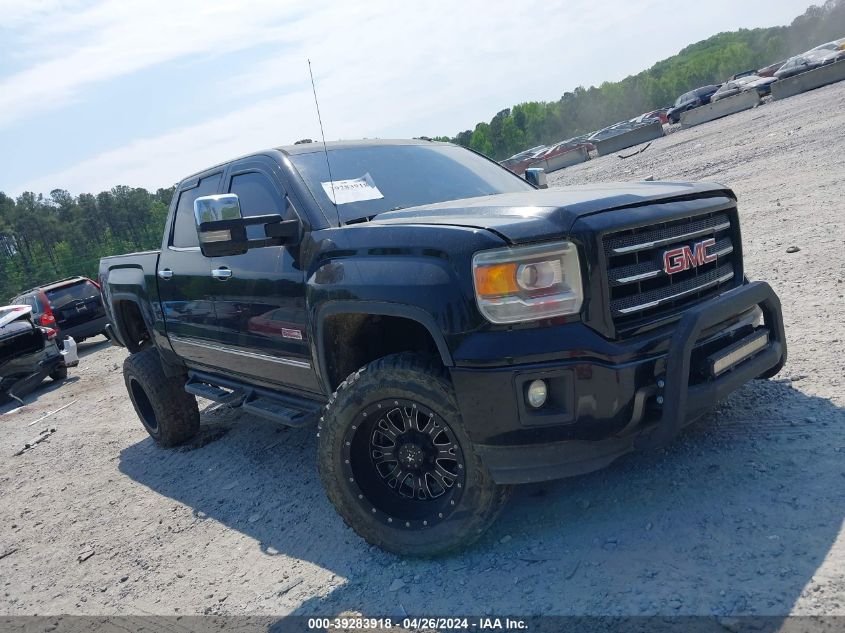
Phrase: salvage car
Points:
(613, 130)
(810, 60)
(448, 327)
(763, 86)
(562, 154)
(771, 69)
(689, 100)
(653, 115)
(73, 306)
(518, 163)
(28, 353)
(836, 45)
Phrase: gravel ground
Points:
(743, 514)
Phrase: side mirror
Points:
(220, 225)
(537, 177)
(222, 230)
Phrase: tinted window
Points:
(28, 300)
(184, 226)
(400, 176)
(256, 194)
(80, 291)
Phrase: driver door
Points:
(259, 296)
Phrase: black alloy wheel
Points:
(406, 462)
(397, 462)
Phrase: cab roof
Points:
(316, 146)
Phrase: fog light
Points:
(537, 393)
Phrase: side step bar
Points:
(284, 409)
(211, 392)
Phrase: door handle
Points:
(221, 273)
(165, 273)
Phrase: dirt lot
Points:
(742, 514)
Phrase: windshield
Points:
(372, 179)
(79, 291)
(687, 96)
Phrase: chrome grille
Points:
(641, 292)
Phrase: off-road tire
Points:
(59, 373)
(168, 412)
(406, 378)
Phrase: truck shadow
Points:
(735, 517)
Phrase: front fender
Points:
(422, 273)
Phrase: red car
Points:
(567, 146)
(657, 115)
(518, 163)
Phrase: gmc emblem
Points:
(683, 258)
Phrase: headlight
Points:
(526, 283)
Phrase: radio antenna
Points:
(325, 149)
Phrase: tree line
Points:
(47, 238)
(44, 238)
(710, 61)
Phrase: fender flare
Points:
(117, 327)
(378, 308)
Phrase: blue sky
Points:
(98, 93)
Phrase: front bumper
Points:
(598, 411)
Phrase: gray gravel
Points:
(742, 514)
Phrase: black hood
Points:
(546, 213)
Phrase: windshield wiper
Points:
(367, 218)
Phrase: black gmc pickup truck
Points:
(450, 328)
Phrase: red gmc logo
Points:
(684, 257)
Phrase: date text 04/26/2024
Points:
(416, 623)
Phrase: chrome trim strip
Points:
(654, 273)
(221, 348)
(670, 240)
(652, 304)
(649, 275)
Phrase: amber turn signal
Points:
(496, 280)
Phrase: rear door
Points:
(184, 277)
(260, 295)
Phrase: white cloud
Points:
(112, 39)
(382, 68)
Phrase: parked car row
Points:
(29, 353)
(40, 328)
(815, 58)
(760, 80)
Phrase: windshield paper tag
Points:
(352, 190)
